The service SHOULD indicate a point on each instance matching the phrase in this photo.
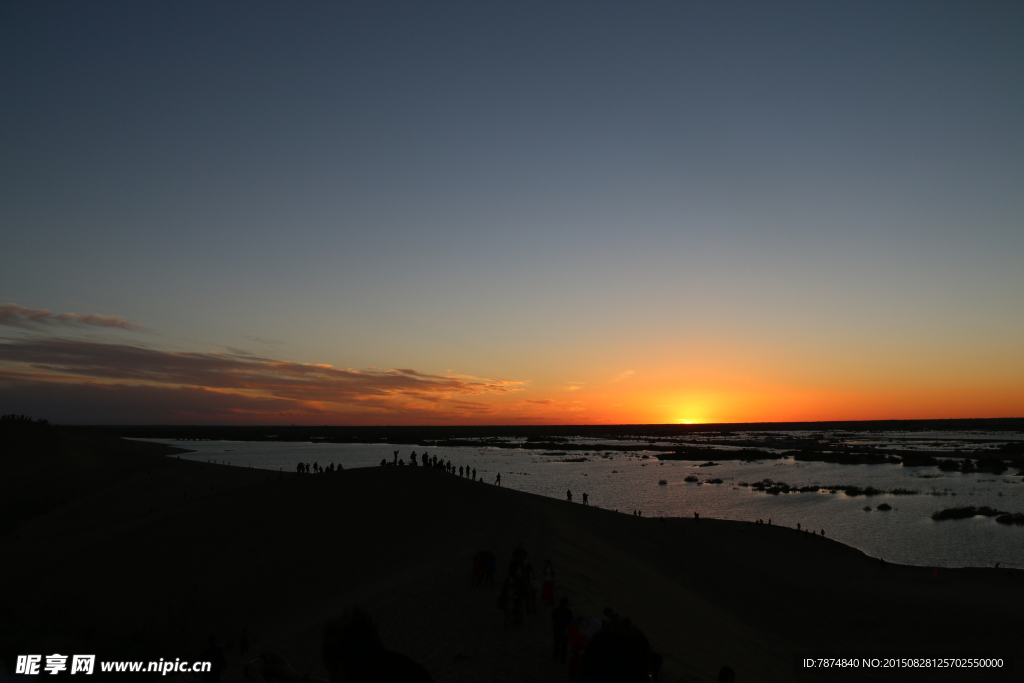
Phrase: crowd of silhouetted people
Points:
(606, 648)
(429, 461)
(799, 527)
(523, 589)
(316, 468)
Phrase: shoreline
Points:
(955, 545)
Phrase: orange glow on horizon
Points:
(716, 390)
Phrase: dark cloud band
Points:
(231, 385)
(14, 315)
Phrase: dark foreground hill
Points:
(115, 549)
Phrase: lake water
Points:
(630, 481)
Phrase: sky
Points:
(511, 212)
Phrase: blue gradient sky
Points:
(688, 210)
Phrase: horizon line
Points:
(521, 426)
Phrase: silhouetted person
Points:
(532, 589)
(519, 554)
(412, 459)
(577, 645)
(561, 617)
(490, 567)
(497, 480)
(474, 474)
(617, 655)
(520, 594)
(584, 497)
(352, 653)
(478, 568)
(568, 495)
(214, 654)
(460, 470)
(505, 601)
(547, 593)
(518, 558)
(656, 662)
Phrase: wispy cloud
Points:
(553, 405)
(14, 315)
(622, 375)
(263, 340)
(574, 386)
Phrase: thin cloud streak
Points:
(14, 315)
(261, 340)
(93, 402)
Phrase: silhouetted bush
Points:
(919, 460)
(1011, 518)
(22, 423)
(858, 491)
(965, 512)
(990, 464)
